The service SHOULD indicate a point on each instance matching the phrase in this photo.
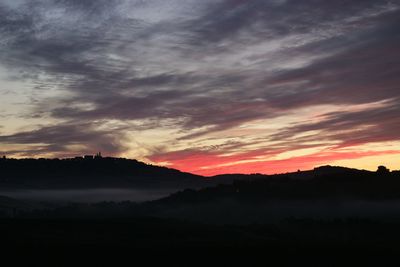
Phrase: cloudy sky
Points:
(210, 86)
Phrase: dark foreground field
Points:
(293, 241)
(330, 216)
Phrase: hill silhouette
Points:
(94, 172)
(108, 172)
(326, 191)
(322, 182)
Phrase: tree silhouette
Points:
(382, 170)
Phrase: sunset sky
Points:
(205, 86)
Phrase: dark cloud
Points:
(368, 70)
(351, 128)
(61, 137)
(271, 18)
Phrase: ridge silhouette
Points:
(105, 172)
(90, 172)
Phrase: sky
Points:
(209, 87)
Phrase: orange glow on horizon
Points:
(210, 165)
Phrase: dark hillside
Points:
(90, 173)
